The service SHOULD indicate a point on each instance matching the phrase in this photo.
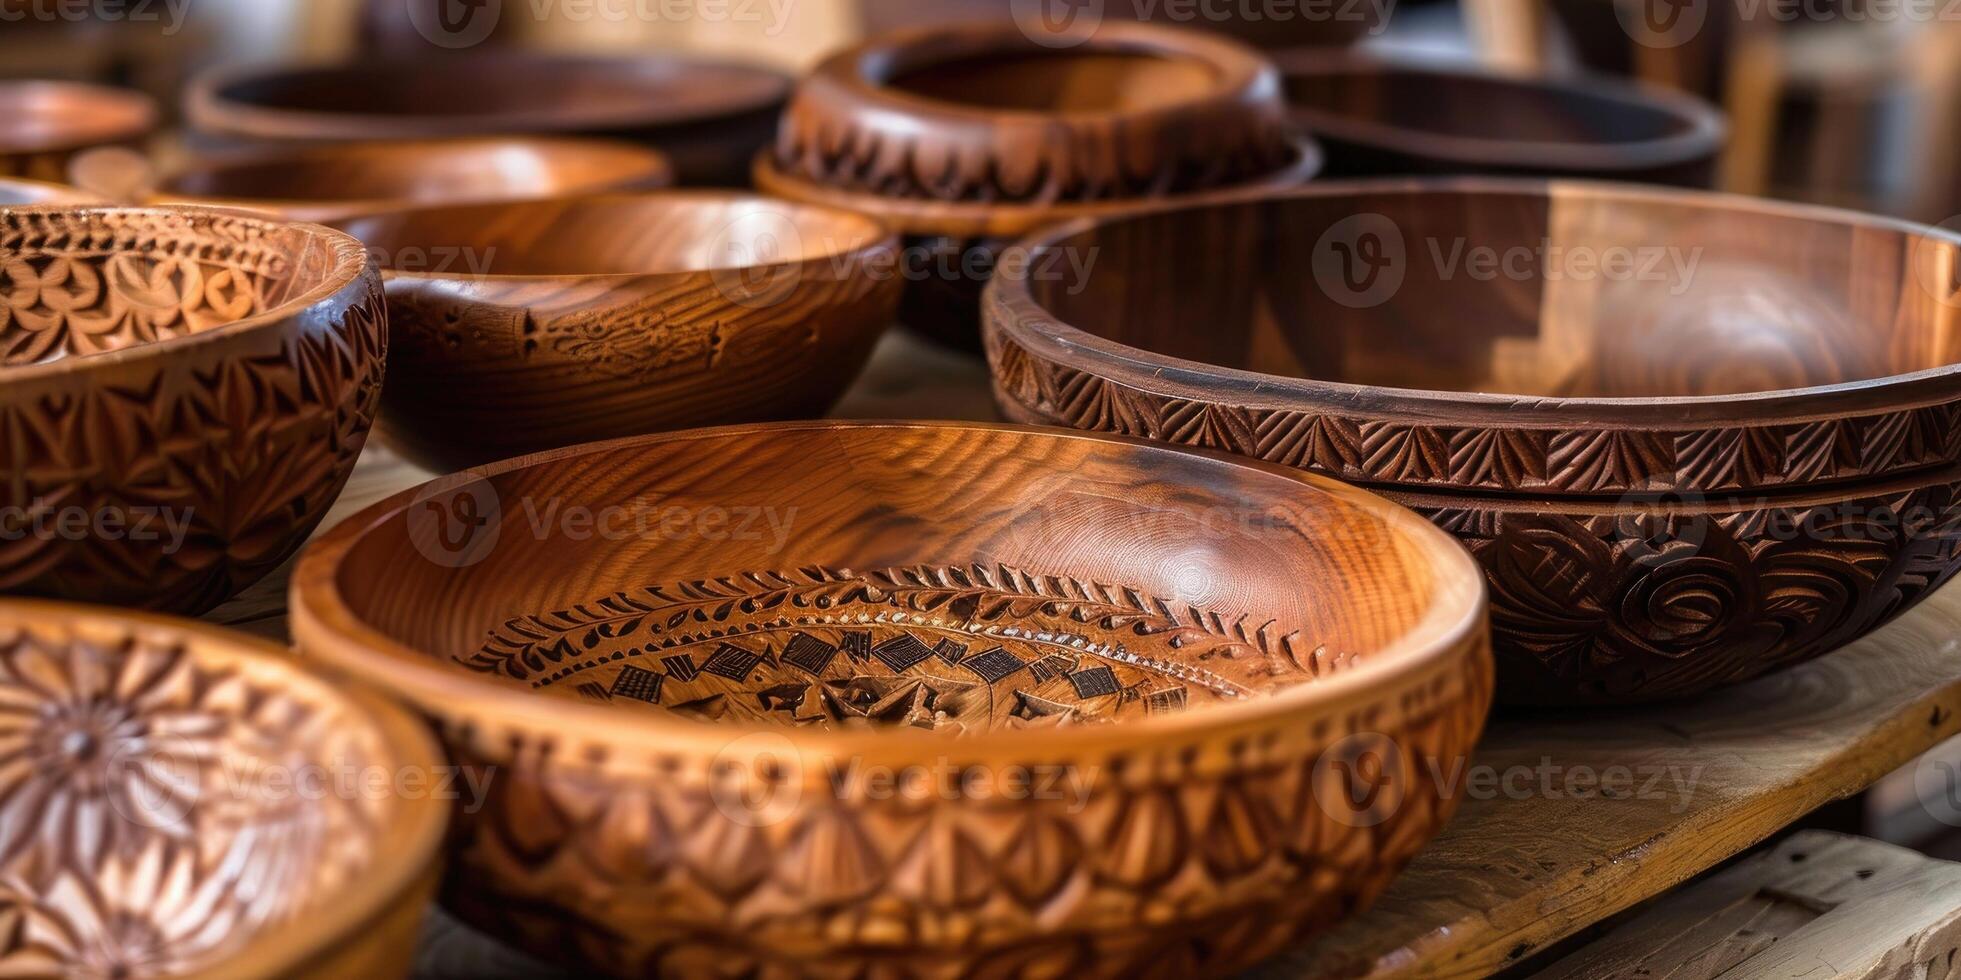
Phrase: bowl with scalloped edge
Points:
(923, 697)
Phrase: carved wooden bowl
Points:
(682, 714)
(528, 326)
(44, 124)
(967, 137)
(17, 191)
(1798, 372)
(175, 806)
(1383, 117)
(321, 183)
(182, 393)
(708, 116)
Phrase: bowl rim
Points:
(207, 108)
(1706, 126)
(654, 169)
(325, 626)
(140, 108)
(877, 237)
(351, 264)
(408, 845)
(54, 193)
(1010, 310)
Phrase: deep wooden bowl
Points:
(549, 323)
(182, 393)
(1381, 117)
(1208, 648)
(322, 183)
(708, 116)
(44, 124)
(15, 191)
(1804, 367)
(175, 806)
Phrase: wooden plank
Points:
(1818, 904)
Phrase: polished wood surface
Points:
(565, 321)
(1250, 674)
(1736, 455)
(44, 124)
(182, 394)
(326, 182)
(169, 805)
(1380, 117)
(710, 117)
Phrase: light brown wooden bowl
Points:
(1382, 117)
(44, 124)
(16, 191)
(528, 326)
(1807, 367)
(709, 116)
(182, 391)
(322, 183)
(1209, 648)
(174, 806)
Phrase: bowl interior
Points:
(943, 577)
(625, 234)
(1558, 290)
(1081, 80)
(37, 116)
(82, 281)
(1471, 106)
(420, 171)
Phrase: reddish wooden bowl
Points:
(1207, 647)
(322, 183)
(182, 392)
(187, 801)
(44, 124)
(708, 116)
(1805, 369)
(526, 326)
(1382, 117)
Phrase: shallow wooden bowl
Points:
(528, 326)
(1803, 367)
(1382, 117)
(681, 708)
(182, 394)
(321, 183)
(175, 806)
(708, 116)
(16, 191)
(44, 124)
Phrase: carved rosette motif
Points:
(172, 474)
(628, 857)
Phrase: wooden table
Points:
(1536, 853)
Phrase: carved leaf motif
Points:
(1607, 459)
(831, 860)
(1509, 458)
(1395, 451)
(1145, 843)
(1822, 450)
(1042, 855)
(1210, 426)
(1716, 458)
(944, 869)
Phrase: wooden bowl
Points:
(174, 806)
(708, 116)
(965, 138)
(1808, 355)
(1379, 117)
(182, 391)
(322, 183)
(44, 124)
(1203, 645)
(15, 191)
(527, 326)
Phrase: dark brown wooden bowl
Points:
(526, 326)
(16, 191)
(709, 116)
(1809, 357)
(44, 124)
(322, 183)
(178, 804)
(1381, 117)
(182, 393)
(1216, 651)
